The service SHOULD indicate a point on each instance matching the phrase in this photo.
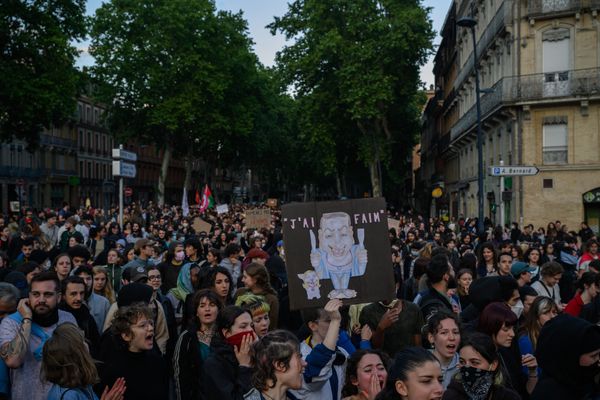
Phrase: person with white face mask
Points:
(169, 269)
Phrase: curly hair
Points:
(65, 359)
(275, 348)
(127, 316)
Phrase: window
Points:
(548, 183)
(81, 139)
(555, 146)
(81, 169)
(88, 114)
(89, 170)
(556, 61)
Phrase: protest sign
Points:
(272, 203)
(200, 225)
(258, 218)
(337, 249)
(15, 206)
(222, 209)
(394, 224)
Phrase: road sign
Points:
(126, 170)
(514, 170)
(128, 191)
(121, 154)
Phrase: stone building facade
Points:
(539, 64)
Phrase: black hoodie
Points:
(223, 376)
(558, 350)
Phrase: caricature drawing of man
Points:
(338, 257)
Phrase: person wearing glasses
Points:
(133, 356)
(160, 300)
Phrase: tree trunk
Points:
(162, 178)
(188, 172)
(375, 182)
(338, 182)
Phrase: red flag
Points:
(207, 199)
(197, 197)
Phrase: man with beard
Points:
(439, 273)
(98, 305)
(73, 292)
(23, 334)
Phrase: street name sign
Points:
(124, 169)
(121, 154)
(514, 170)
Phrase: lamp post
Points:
(470, 22)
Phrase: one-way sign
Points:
(514, 170)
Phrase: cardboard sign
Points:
(15, 206)
(200, 225)
(222, 209)
(394, 223)
(337, 249)
(258, 218)
(272, 203)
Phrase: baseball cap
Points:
(519, 267)
(138, 274)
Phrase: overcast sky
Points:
(259, 13)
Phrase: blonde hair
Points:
(66, 360)
(108, 291)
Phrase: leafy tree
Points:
(38, 80)
(176, 73)
(355, 67)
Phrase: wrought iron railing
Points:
(501, 20)
(48, 140)
(580, 83)
(538, 8)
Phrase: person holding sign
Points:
(326, 362)
(338, 258)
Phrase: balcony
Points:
(555, 85)
(552, 8)
(48, 140)
(489, 102)
(539, 9)
(20, 172)
(501, 20)
(567, 85)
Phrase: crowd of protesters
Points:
(158, 310)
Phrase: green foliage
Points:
(176, 73)
(354, 66)
(38, 81)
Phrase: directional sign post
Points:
(510, 170)
(123, 167)
(513, 170)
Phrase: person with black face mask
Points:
(568, 352)
(23, 334)
(480, 376)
